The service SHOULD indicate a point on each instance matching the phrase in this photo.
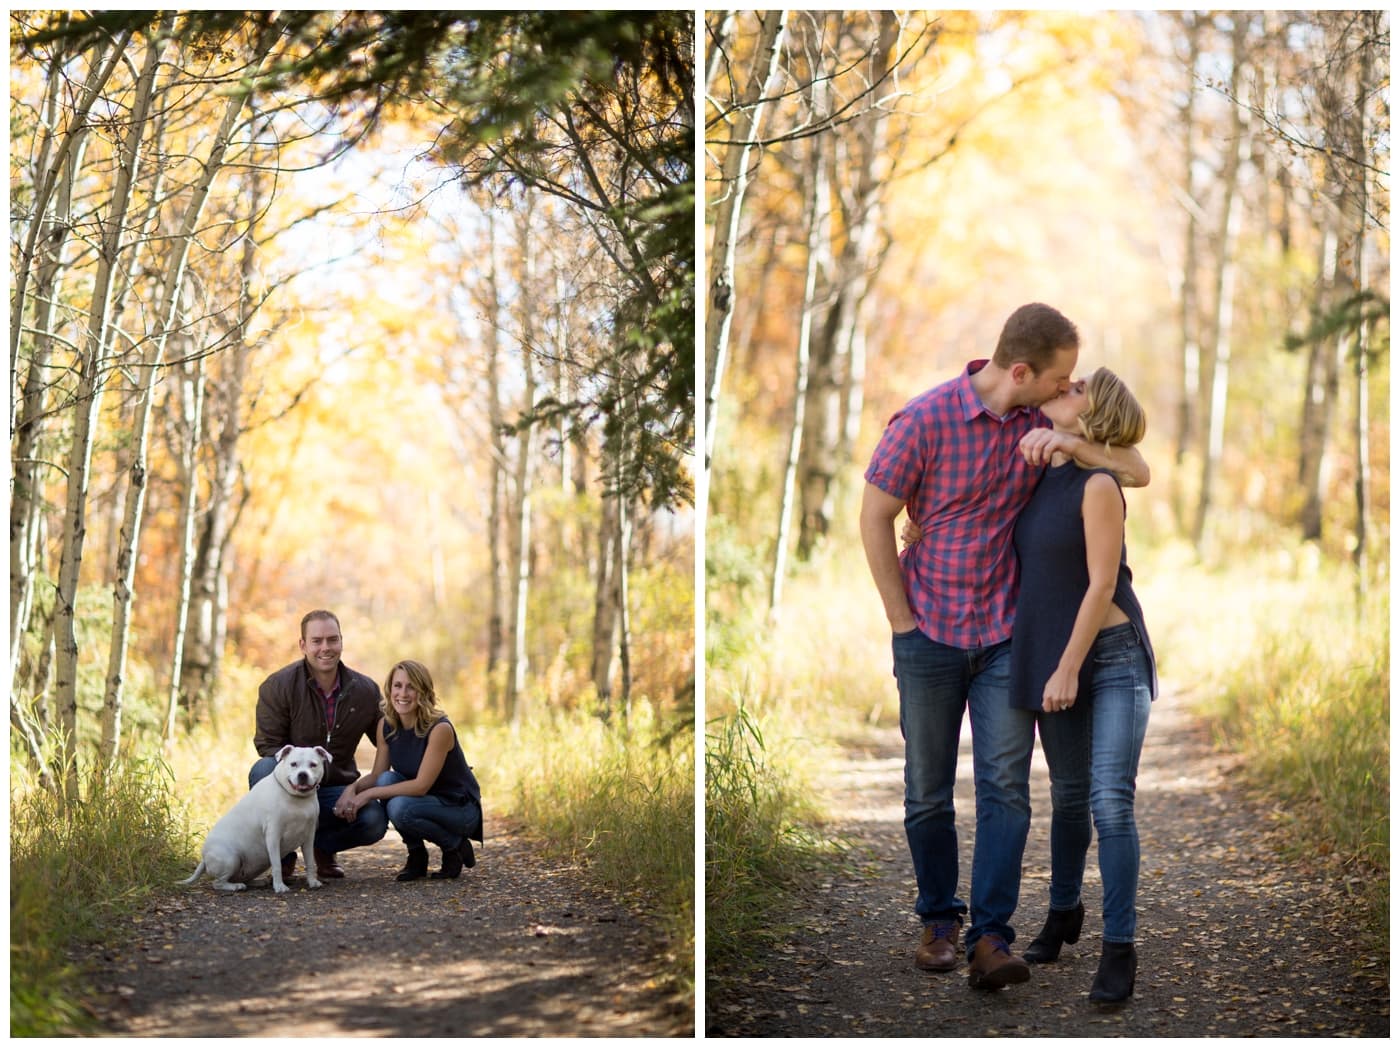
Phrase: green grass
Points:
(760, 838)
(76, 871)
(1297, 682)
(1310, 711)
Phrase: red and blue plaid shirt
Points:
(328, 699)
(959, 471)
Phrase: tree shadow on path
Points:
(1233, 939)
(519, 946)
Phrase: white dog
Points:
(277, 816)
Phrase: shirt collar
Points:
(311, 679)
(971, 403)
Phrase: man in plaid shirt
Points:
(963, 458)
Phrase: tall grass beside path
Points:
(77, 871)
(621, 802)
(1296, 682)
(760, 837)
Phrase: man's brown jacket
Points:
(290, 710)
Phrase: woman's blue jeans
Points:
(936, 682)
(429, 818)
(1092, 750)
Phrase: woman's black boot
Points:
(1061, 926)
(451, 865)
(417, 865)
(1117, 973)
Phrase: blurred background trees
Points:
(1203, 193)
(387, 312)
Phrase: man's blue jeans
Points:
(1092, 751)
(334, 834)
(936, 682)
(429, 818)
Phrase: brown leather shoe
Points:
(993, 965)
(938, 949)
(326, 866)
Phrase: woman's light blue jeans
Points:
(1092, 751)
(936, 682)
(429, 818)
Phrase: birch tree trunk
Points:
(863, 141)
(56, 170)
(1226, 269)
(172, 287)
(202, 660)
(741, 134)
(817, 217)
(87, 400)
(496, 524)
(720, 27)
(1322, 383)
(624, 617)
(605, 597)
(1188, 293)
(1370, 31)
(524, 475)
(192, 403)
(52, 171)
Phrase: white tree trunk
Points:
(87, 400)
(742, 132)
(1226, 270)
(524, 478)
(172, 287)
(496, 520)
(818, 211)
(193, 405)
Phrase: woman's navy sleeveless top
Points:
(455, 782)
(1054, 578)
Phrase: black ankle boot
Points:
(451, 865)
(417, 865)
(1062, 926)
(468, 854)
(1117, 973)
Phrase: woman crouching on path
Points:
(422, 776)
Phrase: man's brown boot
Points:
(938, 950)
(326, 866)
(994, 965)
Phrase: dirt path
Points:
(1233, 939)
(519, 946)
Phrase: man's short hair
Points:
(312, 616)
(1033, 335)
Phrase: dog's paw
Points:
(311, 882)
(279, 887)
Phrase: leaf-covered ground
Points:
(520, 946)
(1233, 940)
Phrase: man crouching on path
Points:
(954, 456)
(320, 701)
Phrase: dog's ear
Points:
(324, 754)
(284, 751)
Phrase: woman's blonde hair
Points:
(1113, 417)
(427, 713)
